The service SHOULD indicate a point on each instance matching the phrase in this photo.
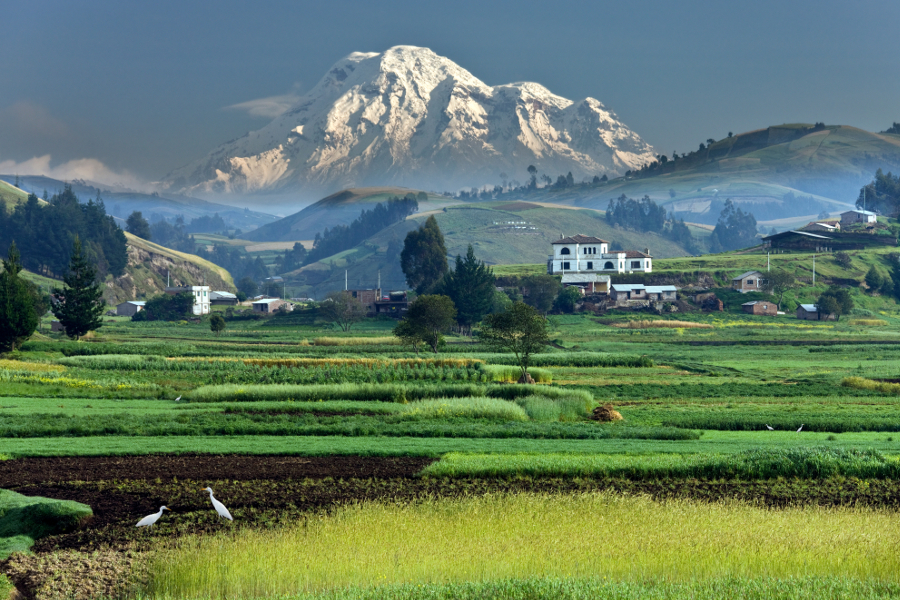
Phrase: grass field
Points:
(696, 394)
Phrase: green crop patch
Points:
(23, 519)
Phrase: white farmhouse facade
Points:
(586, 254)
(200, 293)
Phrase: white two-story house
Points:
(200, 293)
(586, 254)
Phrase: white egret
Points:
(149, 520)
(178, 398)
(769, 427)
(220, 508)
(801, 427)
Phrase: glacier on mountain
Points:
(411, 118)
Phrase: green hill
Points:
(501, 232)
(337, 209)
(757, 169)
(10, 195)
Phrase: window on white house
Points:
(590, 266)
(564, 251)
(749, 282)
(609, 265)
(566, 265)
(635, 264)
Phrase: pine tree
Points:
(424, 256)
(80, 307)
(18, 319)
(471, 287)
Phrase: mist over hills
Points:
(411, 118)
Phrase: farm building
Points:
(630, 294)
(808, 312)
(751, 281)
(130, 308)
(585, 254)
(807, 241)
(823, 226)
(394, 304)
(855, 217)
(57, 326)
(270, 305)
(590, 283)
(200, 293)
(222, 299)
(760, 307)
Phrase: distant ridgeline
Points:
(44, 234)
(343, 237)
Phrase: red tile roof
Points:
(580, 239)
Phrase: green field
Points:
(693, 445)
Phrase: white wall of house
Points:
(200, 293)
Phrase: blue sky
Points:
(144, 87)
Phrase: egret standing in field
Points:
(178, 398)
(220, 508)
(149, 520)
(770, 428)
(801, 427)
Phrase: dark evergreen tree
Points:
(137, 225)
(471, 287)
(735, 229)
(883, 194)
(424, 256)
(80, 305)
(642, 215)
(18, 318)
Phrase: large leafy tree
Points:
(424, 256)
(137, 225)
(80, 303)
(778, 283)
(735, 229)
(18, 318)
(520, 329)
(883, 194)
(471, 287)
(540, 291)
(834, 302)
(343, 309)
(167, 307)
(427, 319)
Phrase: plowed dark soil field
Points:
(263, 491)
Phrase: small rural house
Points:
(222, 299)
(270, 305)
(825, 226)
(808, 312)
(589, 283)
(586, 254)
(201, 296)
(751, 281)
(393, 304)
(56, 326)
(130, 308)
(630, 294)
(854, 217)
(760, 307)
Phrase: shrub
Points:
(510, 373)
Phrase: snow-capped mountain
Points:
(409, 117)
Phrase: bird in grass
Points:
(220, 508)
(178, 398)
(769, 427)
(801, 427)
(149, 520)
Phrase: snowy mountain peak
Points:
(410, 117)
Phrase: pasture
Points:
(303, 431)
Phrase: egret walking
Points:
(149, 520)
(801, 427)
(178, 398)
(220, 508)
(769, 427)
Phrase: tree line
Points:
(44, 234)
(882, 194)
(369, 222)
(78, 304)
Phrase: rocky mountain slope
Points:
(411, 118)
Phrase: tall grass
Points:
(811, 463)
(647, 324)
(860, 383)
(510, 374)
(469, 408)
(357, 341)
(498, 537)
